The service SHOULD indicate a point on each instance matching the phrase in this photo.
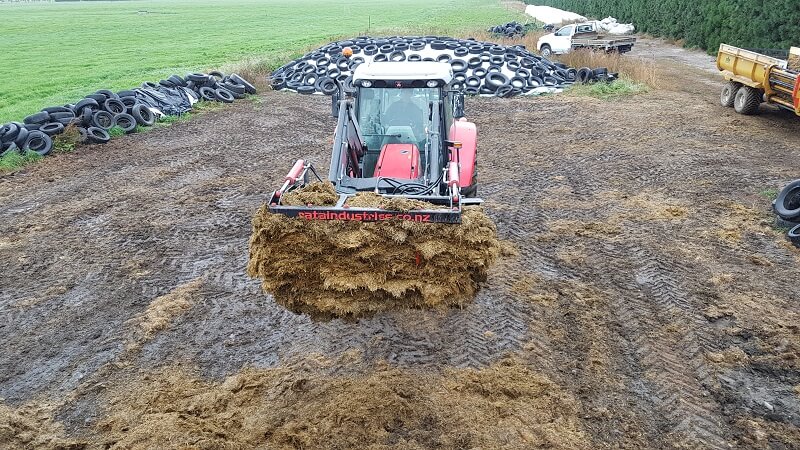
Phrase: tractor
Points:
(401, 132)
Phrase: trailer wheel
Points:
(728, 94)
(746, 101)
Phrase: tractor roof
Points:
(404, 70)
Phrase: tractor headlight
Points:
(432, 83)
(366, 83)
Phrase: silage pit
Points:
(328, 268)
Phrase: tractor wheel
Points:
(545, 51)
(472, 189)
(728, 94)
(746, 101)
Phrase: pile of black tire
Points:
(479, 67)
(787, 208)
(509, 30)
(97, 113)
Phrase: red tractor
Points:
(400, 133)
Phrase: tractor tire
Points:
(728, 94)
(746, 101)
(546, 51)
(787, 205)
(472, 190)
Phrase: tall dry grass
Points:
(629, 67)
(529, 40)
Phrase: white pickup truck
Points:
(581, 35)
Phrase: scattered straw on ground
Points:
(162, 311)
(502, 406)
(348, 268)
(32, 427)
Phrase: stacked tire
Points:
(586, 75)
(480, 68)
(214, 86)
(787, 208)
(509, 30)
(94, 115)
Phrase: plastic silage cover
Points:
(550, 15)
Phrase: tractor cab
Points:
(399, 133)
(393, 105)
(398, 129)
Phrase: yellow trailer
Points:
(754, 78)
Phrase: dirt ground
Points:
(652, 303)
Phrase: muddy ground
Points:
(652, 303)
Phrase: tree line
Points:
(761, 24)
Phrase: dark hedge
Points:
(766, 24)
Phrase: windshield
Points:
(391, 115)
(566, 31)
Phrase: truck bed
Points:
(621, 44)
(769, 76)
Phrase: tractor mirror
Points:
(458, 105)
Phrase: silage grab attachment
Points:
(448, 211)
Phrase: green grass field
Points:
(55, 53)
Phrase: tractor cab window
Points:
(383, 113)
(392, 116)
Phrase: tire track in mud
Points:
(123, 230)
(675, 368)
